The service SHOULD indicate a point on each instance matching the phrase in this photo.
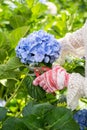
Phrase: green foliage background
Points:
(28, 107)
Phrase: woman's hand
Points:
(52, 80)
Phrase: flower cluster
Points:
(81, 118)
(37, 47)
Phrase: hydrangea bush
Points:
(37, 47)
(43, 111)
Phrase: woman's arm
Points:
(72, 43)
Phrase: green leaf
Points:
(17, 34)
(38, 9)
(33, 122)
(36, 109)
(60, 118)
(2, 70)
(10, 84)
(8, 74)
(3, 39)
(3, 112)
(79, 69)
(34, 91)
(30, 3)
(2, 54)
(4, 46)
(13, 63)
(7, 71)
(49, 117)
(28, 108)
(15, 21)
(34, 115)
(13, 124)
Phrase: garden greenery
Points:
(24, 106)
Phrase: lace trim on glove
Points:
(75, 90)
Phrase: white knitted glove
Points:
(75, 90)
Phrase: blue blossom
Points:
(81, 118)
(37, 47)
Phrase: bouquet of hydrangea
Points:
(38, 50)
(81, 118)
(38, 47)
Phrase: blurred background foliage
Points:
(18, 18)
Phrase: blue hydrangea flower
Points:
(37, 47)
(81, 118)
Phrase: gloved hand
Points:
(52, 80)
(57, 78)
